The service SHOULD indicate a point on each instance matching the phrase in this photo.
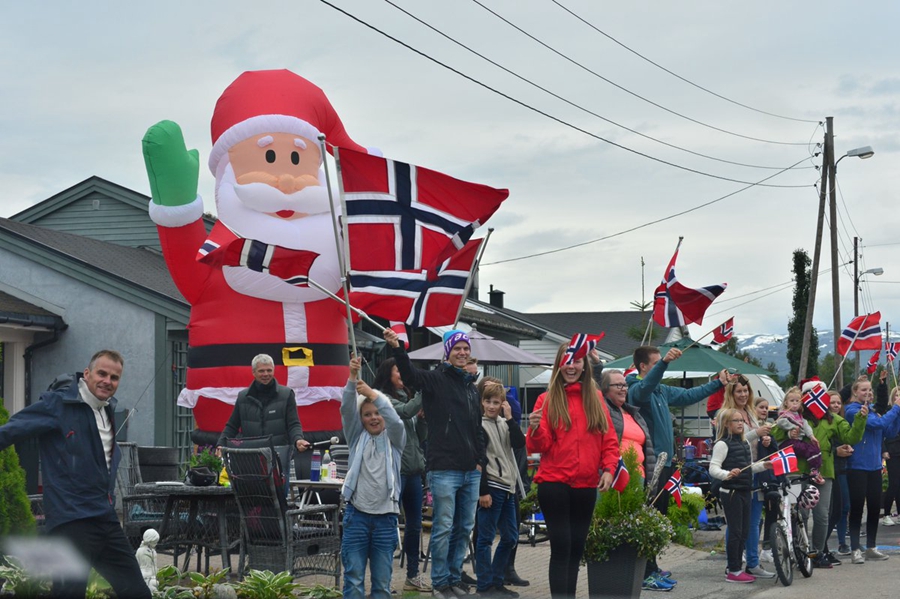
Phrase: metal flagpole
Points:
(471, 276)
(343, 257)
(353, 309)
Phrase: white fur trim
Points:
(305, 396)
(266, 123)
(176, 216)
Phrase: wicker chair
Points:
(277, 537)
(139, 512)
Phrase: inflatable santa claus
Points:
(246, 280)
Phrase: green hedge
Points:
(15, 508)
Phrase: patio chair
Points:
(139, 512)
(276, 536)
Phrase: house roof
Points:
(19, 312)
(488, 316)
(616, 325)
(138, 274)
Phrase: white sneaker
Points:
(760, 572)
(766, 556)
(875, 555)
(858, 557)
(888, 521)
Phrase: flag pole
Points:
(353, 309)
(706, 335)
(343, 256)
(844, 357)
(469, 280)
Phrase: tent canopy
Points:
(699, 360)
(487, 349)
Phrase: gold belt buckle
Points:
(305, 357)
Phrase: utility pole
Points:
(827, 158)
(835, 266)
(856, 290)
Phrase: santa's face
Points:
(277, 174)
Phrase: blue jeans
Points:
(501, 515)
(368, 538)
(752, 544)
(454, 495)
(411, 498)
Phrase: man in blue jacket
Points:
(646, 391)
(76, 432)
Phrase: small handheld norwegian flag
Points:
(725, 331)
(814, 400)
(580, 345)
(784, 462)
(872, 365)
(621, 476)
(400, 329)
(891, 350)
(673, 486)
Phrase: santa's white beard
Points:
(313, 233)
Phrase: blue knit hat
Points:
(453, 337)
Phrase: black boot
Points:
(511, 576)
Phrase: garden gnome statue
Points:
(146, 558)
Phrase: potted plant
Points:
(206, 458)
(625, 531)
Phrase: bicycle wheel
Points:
(781, 554)
(802, 548)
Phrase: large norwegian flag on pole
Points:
(784, 461)
(418, 298)
(405, 217)
(675, 305)
(725, 331)
(863, 332)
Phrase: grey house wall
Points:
(96, 321)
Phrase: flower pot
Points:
(619, 576)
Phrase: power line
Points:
(659, 220)
(628, 91)
(676, 75)
(731, 308)
(569, 102)
(559, 120)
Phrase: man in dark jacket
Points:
(454, 456)
(76, 432)
(266, 408)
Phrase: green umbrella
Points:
(699, 360)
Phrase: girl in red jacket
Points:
(570, 427)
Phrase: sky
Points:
(82, 82)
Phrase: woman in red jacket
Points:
(570, 427)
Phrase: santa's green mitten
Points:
(172, 169)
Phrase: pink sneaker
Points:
(741, 577)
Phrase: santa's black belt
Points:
(241, 354)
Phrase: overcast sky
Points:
(82, 82)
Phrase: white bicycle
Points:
(790, 539)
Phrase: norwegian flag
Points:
(815, 401)
(404, 217)
(621, 476)
(418, 298)
(675, 305)
(400, 329)
(673, 486)
(891, 350)
(872, 365)
(292, 266)
(580, 345)
(784, 461)
(722, 334)
(863, 332)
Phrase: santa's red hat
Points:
(273, 102)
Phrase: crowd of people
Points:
(471, 460)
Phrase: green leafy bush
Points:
(626, 519)
(263, 584)
(15, 508)
(686, 517)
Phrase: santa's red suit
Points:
(228, 328)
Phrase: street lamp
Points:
(863, 152)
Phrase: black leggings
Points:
(567, 512)
(737, 516)
(865, 489)
(893, 491)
